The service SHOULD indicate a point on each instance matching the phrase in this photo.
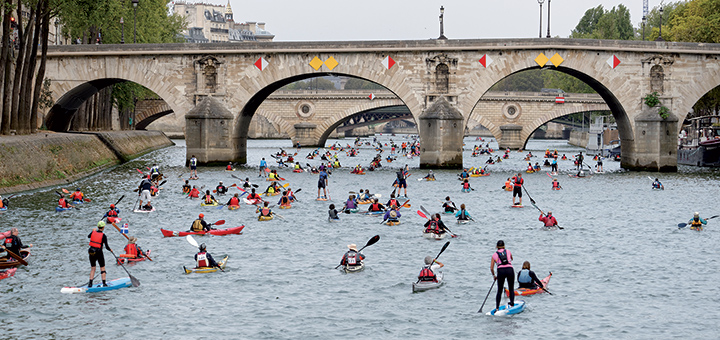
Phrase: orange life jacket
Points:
(131, 249)
(96, 238)
(62, 203)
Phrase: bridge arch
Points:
(150, 110)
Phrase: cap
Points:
(352, 247)
(201, 215)
(101, 224)
(500, 243)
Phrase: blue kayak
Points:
(122, 282)
(374, 213)
(507, 310)
(77, 202)
(3, 208)
(58, 209)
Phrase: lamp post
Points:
(122, 30)
(442, 28)
(548, 34)
(660, 38)
(57, 23)
(135, 4)
(540, 31)
(644, 20)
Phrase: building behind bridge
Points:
(208, 23)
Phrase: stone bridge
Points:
(439, 81)
(331, 109)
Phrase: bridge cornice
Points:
(385, 46)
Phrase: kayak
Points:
(229, 170)
(213, 204)
(58, 209)
(111, 219)
(272, 193)
(77, 202)
(203, 270)
(374, 212)
(434, 236)
(480, 175)
(392, 223)
(448, 212)
(251, 201)
(358, 173)
(4, 274)
(298, 170)
(285, 206)
(124, 257)
(3, 208)
(552, 227)
(354, 269)
(351, 211)
(466, 190)
(321, 199)
(265, 218)
(507, 310)
(556, 188)
(233, 207)
(144, 211)
(463, 221)
(216, 232)
(427, 285)
(122, 282)
(9, 262)
(528, 291)
(333, 219)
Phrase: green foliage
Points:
(558, 80)
(46, 99)
(598, 23)
(536, 80)
(125, 94)
(652, 100)
(362, 84)
(695, 21)
(664, 112)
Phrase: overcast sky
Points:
(315, 20)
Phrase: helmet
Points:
(77, 189)
(112, 206)
(697, 214)
(202, 246)
(201, 215)
(101, 224)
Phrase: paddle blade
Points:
(121, 198)
(443, 249)
(682, 225)
(65, 191)
(425, 210)
(140, 171)
(221, 222)
(421, 214)
(372, 241)
(298, 190)
(135, 282)
(191, 240)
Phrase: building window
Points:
(657, 76)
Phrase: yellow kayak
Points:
(203, 270)
(213, 204)
(265, 218)
(285, 206)
(391, 223)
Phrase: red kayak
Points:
(526, 291)
(124, 257)
(218, 232)
(4, 274)
(114, 219)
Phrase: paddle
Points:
(438, 255)
(683, 225)
(370, 242)
(134, 281)
(192, 241)
(127, 238)
(446, 228)
(16, 256)
(486, 296)
(118, 201)
(541, 212)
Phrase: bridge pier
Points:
(510, 138)
(305, 134)
(655, 144)
(441, 136)
(208, 131)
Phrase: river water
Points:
(621, 267)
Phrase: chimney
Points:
(261, 26)
(252, 26)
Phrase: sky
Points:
(325, 20)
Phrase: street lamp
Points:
(660, 38)
(548, 35)
(122, 34)
(442, 29)
(135, 4)
(57, 23)
(540, 31)
(644, 20)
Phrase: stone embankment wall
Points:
(48, 158)
(579, 138)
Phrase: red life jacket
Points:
(96, 239)
(234, 201)
(556, 184)
(265, 212)
(253, 197)
(433, 228)
(518, 181)
(427, 275)
(393, 202)
(202, 260)
(62, 203)
(208, 199)
(352, 259)
(375, 207)
(112, 213)
(194, 192)
(131, 249)
(77, 196)
(466, 185)
(229, 167)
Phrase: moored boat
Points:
(420, 286)
(202, 270)
(216, 232)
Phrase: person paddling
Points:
(322, 183)
(200, 225)
(253, 197)
(332, 212)
(462, 214)
(430, 176)
(392, 215)
(696, 223)
(548, 220)
(132, 250)
(527, 279)
(435, 225)
(352, 257)
(657, 185)
(208, 198)
(193, 167)
(234, 201)
(63, 203)
(518, 182)
(112, 214)
(97, 240)
(375, 206)
(448, 205)
(556, 184)
(427, 273)
(285, 200)
(350, 204)
(203, 259)
(144, 188)
(502, 258)
(186, 187)
(221, 189)
(466, 186)
(264, 211)
(194, 192)
(13, 242)
(77, 196)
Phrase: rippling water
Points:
(621, 267)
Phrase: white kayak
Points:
(426, 285)
(463, 221)
(143, 210)
(434, 236)
(354, 269)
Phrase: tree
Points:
(588, 23)
(598, 23)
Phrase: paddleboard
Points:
(507, 310)
(321, 199)
(122, 282)
(144, 211)
(517, 206)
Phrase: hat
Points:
(220, 182)
(132, 239)
(101, 224)
(500, 243)
(428, 260)
(352, 247)
(112, 205)
(393, 213)
(201, 215)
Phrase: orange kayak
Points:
(526, 291)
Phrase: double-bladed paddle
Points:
(370, 242)
(438, 255)
(683, 225)
(192, 241)
(446, 228)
